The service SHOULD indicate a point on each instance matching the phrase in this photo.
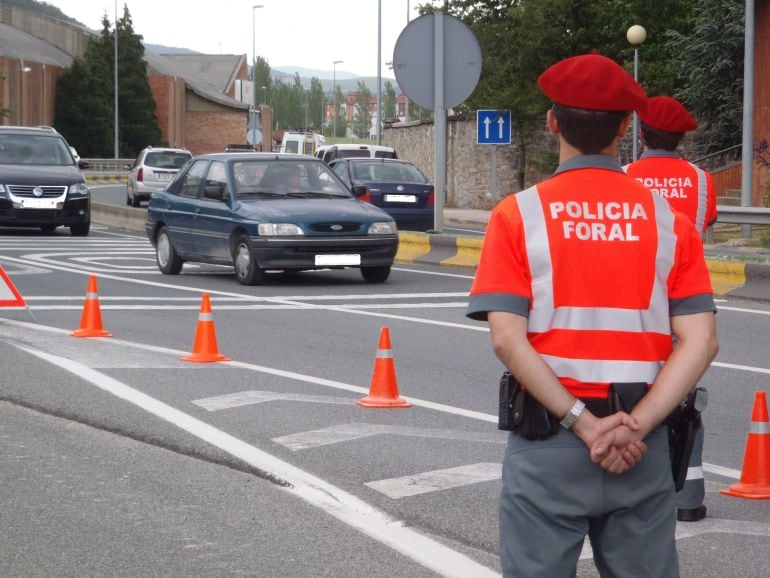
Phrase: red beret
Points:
(666, 113)
(593, 82)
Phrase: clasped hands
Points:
(615, 441)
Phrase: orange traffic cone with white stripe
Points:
(91, 319)
(755, 475)
(205, 348)
(383, 391)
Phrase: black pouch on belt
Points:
(625, 396)
(523, 414)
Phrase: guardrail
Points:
(108, 165)
(743, 215)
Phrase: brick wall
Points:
(209, 132)
(169, 95)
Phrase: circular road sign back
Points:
(414, 61)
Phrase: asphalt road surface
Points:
(118, 458)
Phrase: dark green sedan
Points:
(267, 211)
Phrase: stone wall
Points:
(469, 165)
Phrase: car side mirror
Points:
(359, 190)
(83, 165)
(128, 167)
(214, 191)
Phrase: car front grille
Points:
(27, 191)
(335, 227)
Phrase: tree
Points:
(316, 103)
(389, 101)
(84, 110)
(710, 62)
(339, 113)
(362, 118)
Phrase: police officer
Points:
(582, 280)
(690, 190)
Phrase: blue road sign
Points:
(493, 127)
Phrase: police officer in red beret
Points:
(690, 190)
(584, 280)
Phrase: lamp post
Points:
(117, 144)
(636, 36)
(254, 63)
(334, 96)
(379, 72)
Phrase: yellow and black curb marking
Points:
(106, 179)
(733, 278)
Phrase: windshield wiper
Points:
(311, 194)
(260, 193)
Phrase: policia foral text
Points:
(585, 279)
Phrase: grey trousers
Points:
(553, 496)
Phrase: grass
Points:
(723, 233)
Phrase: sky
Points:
(307, 33)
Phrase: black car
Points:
(396, 186)
(41, 184)
(267, 211)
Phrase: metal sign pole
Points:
(439, 123)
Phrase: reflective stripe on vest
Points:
(700, 216)
(544, 317)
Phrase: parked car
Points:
(153, 169)
(41, 185)
(301, 142)
(396, 186)
(333, 152)
(267, 211)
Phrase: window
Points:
(192, 179)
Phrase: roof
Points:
(164, 66)
(15, 43)
(218, 70)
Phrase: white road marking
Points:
(439, 273)
(223, 307)
(740, 367)
(242, 398)
(744, 310)
(722, 471)
(317, 492)
(437, 480)
(352, 431)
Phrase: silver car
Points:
(153, 169)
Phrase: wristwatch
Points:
(573, 414)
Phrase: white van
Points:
(343, 151)
(304, 143)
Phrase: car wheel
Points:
(48, 228)
(136, 200)
(375, 274)
(168, 260)
(128, 196)
(247, 270)
(81, 229)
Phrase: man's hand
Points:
(619, 449)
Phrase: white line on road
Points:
(242, 398)
(437, 480)
(317, 492)
(353, 431)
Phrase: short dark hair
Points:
(660, 139)
(589, 131)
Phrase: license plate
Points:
(400, 199)
(163, 176)
(38, 203)
(331, 260)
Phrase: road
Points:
(120, 459)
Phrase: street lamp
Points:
(254, 63)
(636, 36)
(334, 93)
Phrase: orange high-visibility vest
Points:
(687, 188)
(599, 264)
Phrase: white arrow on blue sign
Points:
(493, 127)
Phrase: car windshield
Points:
(166, 160)
(33, 149)
(391, 172)
(270, 178)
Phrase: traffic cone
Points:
(755, 475)
(205, 346)
(383, 391)
(91, 319)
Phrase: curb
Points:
(111, 179)
(729, 278)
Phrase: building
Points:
(195, 95)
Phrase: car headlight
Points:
(3, 193)
(279, 229)
(78, 190)
(383, 228)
